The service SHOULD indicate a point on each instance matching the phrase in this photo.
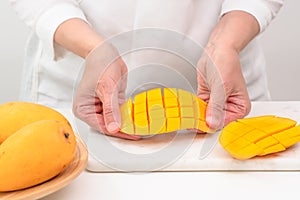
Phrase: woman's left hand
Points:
(222, 85)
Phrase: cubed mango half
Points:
(163, 110)
(259, 136)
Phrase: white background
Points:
(280, 41)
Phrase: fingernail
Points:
(113, 127)
(212, 122)
(209, 120)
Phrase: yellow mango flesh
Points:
(35, 153)
(15, 115)
(258, 136)
(163, 110)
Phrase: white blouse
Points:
(50, 71)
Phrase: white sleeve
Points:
(263, 10)
(44, 16)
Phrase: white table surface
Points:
(189, 185)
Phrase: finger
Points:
(112, 92)
(122, 97)
(123, 83)
(215, 116)
(202, 90)
(116, 134)
(91, 114)
(92, 119)
(237, 110)
(108, 93)
(99, 125)
(215, 112)
(215, 98)
(88, 112)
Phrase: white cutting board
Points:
(180, 152)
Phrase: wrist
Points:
(222, 46)
(77, 36)
(90, 45)
(234, 31)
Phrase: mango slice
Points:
(162, 110)
(259, 136)
(15, 115)
(35, 153)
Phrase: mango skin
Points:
(35, 153)
(15, 115)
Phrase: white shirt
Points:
(50, 71)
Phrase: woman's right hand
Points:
(101, 91)
(102, 87)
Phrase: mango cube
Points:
(250, 151)
(157, 126)
(267, 142)
(140, 108)
(141, 130)
(273, 149)
(154, 94)
(185, 98)
(156, 114)
(170, 93)
(173, 124)
(171, 102)
(172, 112)
(238, 144)
(255, 135)
(201, 125)
(287, 142)
(127, 128)
(126, 110)
(187, 112)
(141, 119)
(201, 108)
(127, 117)
(187, 123)
(155, 104)
(140, 98)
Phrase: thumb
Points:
(215, 112)
(110, 105)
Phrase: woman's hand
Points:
(102, 87)
(220, 78)
(101, 91)
(222, 85)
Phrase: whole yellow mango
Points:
(15, 115)
(35, 153)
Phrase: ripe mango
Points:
(163, 110)
(35, 153)
(259, 136)
(15, 115)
